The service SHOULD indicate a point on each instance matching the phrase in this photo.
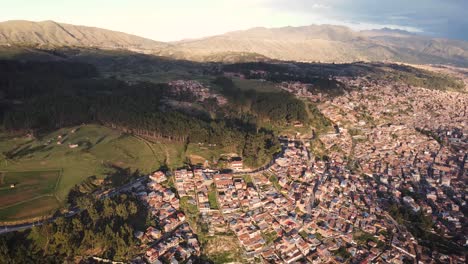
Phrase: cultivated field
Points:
(27, 190)
(78, 152)
(35, 209)
(23, 186)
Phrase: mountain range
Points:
(324, 43)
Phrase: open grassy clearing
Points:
(79, 152)
(97, 147)
(171, 152)
(42, 206)
(28, 185)
(259, 86)
(223, 249)
(201, 153)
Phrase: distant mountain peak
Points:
(53, 34)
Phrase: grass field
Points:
(42, 206)
(199, 154)
(33, 194)
(28, 185)
(259, 86)
(97, 148)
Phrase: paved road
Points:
(12, 228)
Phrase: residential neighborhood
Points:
(397, 156)
(303, 209)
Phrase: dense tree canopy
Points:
(54, 98)
(273, 107)
(105, 227)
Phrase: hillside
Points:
(52, 34)
(324, 43)
(328, 43)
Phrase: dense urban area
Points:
(284, 163)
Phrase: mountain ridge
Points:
(53, 34)
(323, 43)
(329, 43)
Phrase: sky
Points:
(170, 20)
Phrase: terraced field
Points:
(17, 187)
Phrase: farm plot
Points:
(27, 189)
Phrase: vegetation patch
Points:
(26, 194)
(104, 227)
(212, 198)
(33, 209)
(222, 249)
(31, 163)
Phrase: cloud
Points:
(444, 18)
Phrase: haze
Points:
(182, 19)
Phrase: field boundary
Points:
(41, 170)
(25, 221)
(28, 200)
(57, 184)
(150, 146)
(29, 219)
(52, 194)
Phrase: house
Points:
(223, 181)
(409, 201)
(236, 164)
(158, 177)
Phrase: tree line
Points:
(104, 227)
(50, 99)
(266, 107)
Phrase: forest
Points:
(45, 96)
(104, 227)
(272, 107)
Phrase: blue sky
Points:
(179, 19)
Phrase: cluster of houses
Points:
(452, 136)
(392, 144)
(303, 90)
(300, 209)
(305, 209)
(195, 89)
(169, 238)
(329, 211)
(434, 187)
(415, 140)
(197, 186)
(234, 193)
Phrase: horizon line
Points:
(383, 27)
